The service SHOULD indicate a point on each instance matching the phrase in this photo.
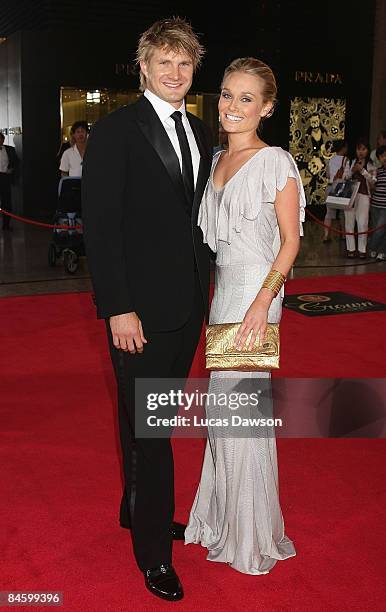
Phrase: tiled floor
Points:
(24, 268)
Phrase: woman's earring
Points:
(269, 113)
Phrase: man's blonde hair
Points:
(174, 34)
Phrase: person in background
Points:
(222, 140)
(66, 144)
(8, 164)
(335, 171)
(364, 171)
(72, 158)
(381, 141)
(377, 240)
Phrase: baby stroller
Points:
(68, 242)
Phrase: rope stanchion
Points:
(341, 232)
(39, 223)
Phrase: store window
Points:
(315, 123)
(91, 105)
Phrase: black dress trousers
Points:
(148, 499)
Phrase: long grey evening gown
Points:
(236, 513)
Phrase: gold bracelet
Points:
(274, 281)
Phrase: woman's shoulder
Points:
(66, 153)
(275, 153)
(276, 168)
(273, 158)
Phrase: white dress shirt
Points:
(71, 162)
(164, 110)
(4, 161)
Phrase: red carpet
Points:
(332, 346)
(60, 479)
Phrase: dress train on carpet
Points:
(236, 513)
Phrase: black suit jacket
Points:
(141, 237)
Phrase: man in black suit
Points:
(8, 164)
(144, 173)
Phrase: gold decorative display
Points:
(315, 123)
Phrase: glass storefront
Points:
(84, 105)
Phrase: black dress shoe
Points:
(178, 529)
(163, 582)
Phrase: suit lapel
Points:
(155, 133)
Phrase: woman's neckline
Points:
(237, 171)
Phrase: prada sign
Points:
(125, 69)
(330, 303)
(325, 78)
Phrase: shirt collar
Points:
(162, 108)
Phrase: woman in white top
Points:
(364, 171)
(250, 216)
(72, 158)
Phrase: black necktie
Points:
(187, 167)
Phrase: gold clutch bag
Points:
(222, 355)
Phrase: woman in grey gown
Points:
(250, 216)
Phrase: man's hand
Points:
(127, 332)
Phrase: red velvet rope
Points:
(39, 223)
(72, 227)
(341, 232)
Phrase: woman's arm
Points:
(287, 212)
(370, 175)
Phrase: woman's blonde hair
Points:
(255, 67)
(174, 34)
